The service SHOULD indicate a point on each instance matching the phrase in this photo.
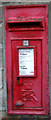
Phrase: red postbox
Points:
(26, 42)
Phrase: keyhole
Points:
(18, 79)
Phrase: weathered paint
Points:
(30, 96)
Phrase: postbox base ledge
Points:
(27, 112)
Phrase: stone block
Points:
(49, 61)
(0, 57)
(0, 99)
(0, 13)
(49, 80)
(1, 33)
(49, 45)
(26, 1)
(50, 72)
(0, 114)
(50, 91)
(0, 78)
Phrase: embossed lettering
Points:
(29, 95)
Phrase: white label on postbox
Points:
(26, 61)
(25, 42)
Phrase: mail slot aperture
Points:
(36, 23)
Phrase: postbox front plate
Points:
(26, 41)
(26, 86)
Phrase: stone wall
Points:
(3, 93)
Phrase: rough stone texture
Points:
(49, 61)
(0, 114)
(26, 0)
(0, 13)
(0, 33)
(0, 99)
(3, 95)
(0, 78)
(0, 57)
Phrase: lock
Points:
(19, 81)
(19, 103)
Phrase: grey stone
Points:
(27, 0)
(49, 72)
(0, 12)
(0, 114)
(0, 99)
(49, 46)
(0, 57)
(50, 80)
(0, 33)
(3, 114)
(50, 91)
(0, 78)
(4, 100)
(49, 62)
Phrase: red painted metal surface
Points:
(27, 94)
